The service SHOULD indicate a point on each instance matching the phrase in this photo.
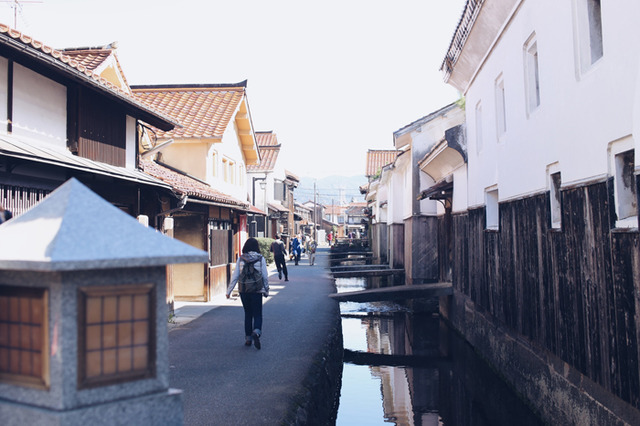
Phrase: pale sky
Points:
(331, 78)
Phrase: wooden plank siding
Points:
(421, 237)
(380, 243)
(101, 130)
(396, 245)
(572, 291)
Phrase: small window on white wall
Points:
(492, 210)
(232, 172)
(532, 74)
(225, 169)
(625, 188)
(501, 112)
(555, 199)
(214, 164)
(479, 141)
(589, 23)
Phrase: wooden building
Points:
(63, 116)
(205, 161)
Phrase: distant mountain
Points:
(331, 189)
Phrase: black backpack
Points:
(250, 279)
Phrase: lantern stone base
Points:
(163, 408)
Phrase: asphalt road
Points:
(225, 382)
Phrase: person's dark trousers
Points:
(252, 304)
(281, 264)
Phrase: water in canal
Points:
(404, 366)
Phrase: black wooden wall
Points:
(570, 290)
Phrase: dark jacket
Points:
(277, 247)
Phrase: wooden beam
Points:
(385, 272)
(418, 291)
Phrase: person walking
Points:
(253, 279)
(311, 250)
(279, 252)
(296, 250)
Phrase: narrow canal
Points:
(404, 366)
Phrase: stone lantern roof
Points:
(75, 229)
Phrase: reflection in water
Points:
(407, 368)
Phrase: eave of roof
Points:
(427, 118)
(460, 35)
(16, 147)
(73, 229)
(291, 176)
(186, 185)
(59, 62)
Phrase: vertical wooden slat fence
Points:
(573, 291)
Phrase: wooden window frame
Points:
(41, 380)
(119, 377)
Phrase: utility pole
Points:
(315, 215)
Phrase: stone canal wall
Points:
(316, 403)
(553, 388)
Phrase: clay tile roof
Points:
(377, 159)
(203, 110)
(355, 209)
(93, 57)
(71, 65)
(183, 184)
(89, 58)
(267, 139)
(269, 149)
(268, 158)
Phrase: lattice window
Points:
(23, 336)
(116, 337)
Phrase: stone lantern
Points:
(83, 317)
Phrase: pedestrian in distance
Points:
(296, 249)
(279, 252)
(253, 283)
(311, 250)
(4, 214)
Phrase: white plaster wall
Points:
(130, 154)
(230, 148)
(579, 113)
(460, 189)
(39, 107)
(398, 208)
(384, 195)
(427, 206)
(423, 139)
